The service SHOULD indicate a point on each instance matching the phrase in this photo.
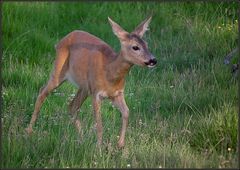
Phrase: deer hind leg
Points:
(56, 79)
(75, 105)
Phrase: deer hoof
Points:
(29, 130)
(120, 144)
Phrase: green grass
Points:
(183, 113)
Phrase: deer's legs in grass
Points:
(40, 99)
(120, 103)
(98, 119)
(74, 106)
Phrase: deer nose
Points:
(153, 61)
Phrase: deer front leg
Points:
(120, 103)
(98, 118)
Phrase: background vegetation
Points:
(183, 113)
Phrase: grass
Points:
(183, 113)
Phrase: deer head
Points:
(133, 48)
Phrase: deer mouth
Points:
(151, 63)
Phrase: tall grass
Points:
(183, 113)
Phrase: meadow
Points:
(183, 112)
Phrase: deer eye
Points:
(135, 48)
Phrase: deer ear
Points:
(143, 27)
(117, 30)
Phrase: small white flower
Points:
(112, 105)
(229, 149)
(57, 94)
(128, 165)
(131, 94)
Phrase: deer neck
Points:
(118, 69)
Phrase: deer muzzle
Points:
(151, 63)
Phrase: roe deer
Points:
(99, 72)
